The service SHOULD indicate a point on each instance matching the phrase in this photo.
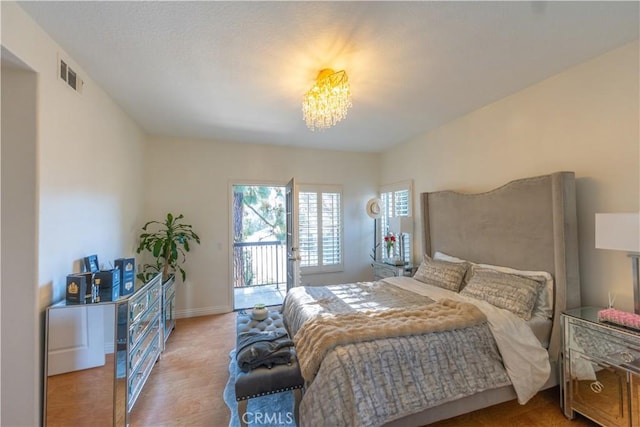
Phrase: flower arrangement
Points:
(389, 241)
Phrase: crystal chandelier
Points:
(327, 101)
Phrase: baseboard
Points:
(195, 312)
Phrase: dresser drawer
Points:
(140, 303)
(138, 306)
(600, 392)
(154, 292)
(147, 320)
(148, 339)
(169, 289)
(144, 366)
(606, 345)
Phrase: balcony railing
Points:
(259, 264)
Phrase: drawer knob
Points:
(627, 357)
(597, 387)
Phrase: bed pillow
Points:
(443, 274)
(444, 257)
(544, 303)
(511, 292)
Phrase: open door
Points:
(293, 256)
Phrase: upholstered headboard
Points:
(527, 224)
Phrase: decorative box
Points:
(108, 282)
(622, 318)
(88, 278)
(127, 267)
(76, 288)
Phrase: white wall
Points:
(89, 165)
(19, 219)
(585, 120)
(193, 177)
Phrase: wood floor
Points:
(185, 387)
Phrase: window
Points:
(396, 202)
(320, 228)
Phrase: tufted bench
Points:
(263, 381)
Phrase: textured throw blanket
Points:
(320, 335)
(267, 348)
(304, 303)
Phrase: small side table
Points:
(382, 270)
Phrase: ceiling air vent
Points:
(68, 75)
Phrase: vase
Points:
(259, 312)
(389, 251)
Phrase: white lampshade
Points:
(406, 224)
(401, 224)
(618, 231)
(394, 225)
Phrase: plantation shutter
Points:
(320, 228)
(331, 229)
(396, 201)
(308, 228)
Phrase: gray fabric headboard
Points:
(527, 224)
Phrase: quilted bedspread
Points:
(322, 334)
(374, 382)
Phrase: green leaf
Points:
(168, 243)
(157, 247)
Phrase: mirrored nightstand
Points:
(382, 270)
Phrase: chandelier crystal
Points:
(327, 101)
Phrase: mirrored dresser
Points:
(601, 369)
(99, 356)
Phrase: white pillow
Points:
(544, 304)
(445, 257)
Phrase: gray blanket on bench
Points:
(267, 348)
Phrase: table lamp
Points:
(401, 226)
(621, 232)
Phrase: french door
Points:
(264, 231)
(293, 254)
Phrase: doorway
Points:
(259, 245)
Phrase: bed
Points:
(422, 373)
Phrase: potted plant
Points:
(168, 242)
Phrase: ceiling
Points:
(236, 71)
